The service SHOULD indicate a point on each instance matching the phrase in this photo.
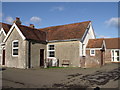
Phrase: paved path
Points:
(104, 77)
(98, 78)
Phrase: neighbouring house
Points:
(72, 45)
(101, 51)
(4, 28)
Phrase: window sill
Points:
(14, 55)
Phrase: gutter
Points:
(29, 54)
(63, 40)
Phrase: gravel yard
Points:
(105, 77)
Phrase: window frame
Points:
(1, 51)
(15, 48)
(83, 54)
(91, 54)
(48, 50)
(113, 55)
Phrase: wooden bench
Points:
(65, 63)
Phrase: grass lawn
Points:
(59, 67)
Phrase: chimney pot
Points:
(17, 18)
(32, 25)
(17, 21)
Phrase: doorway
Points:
(102, 58)
(41, 57)
(3, 57)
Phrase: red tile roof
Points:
(111, 43)
(64, 32)
(32, 33)
(5, 26)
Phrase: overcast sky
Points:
(104, 15)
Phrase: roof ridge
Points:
(111, 43)
(105, 38)
(6, 23)
(62, 25)
(112, 38)
(36, 34)
(97, 39)
(29, 27)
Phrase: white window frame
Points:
(0, 51)
(91, 54)
(50, 51)
(83, 49)
(113, 56)
(15, 48)
(1, 55)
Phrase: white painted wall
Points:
(80, 48)
(2, 36)
(89, 35)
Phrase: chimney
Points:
(32, 26)
(17, 21)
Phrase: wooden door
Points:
(3, 58)
(41, 57)
(102, 58)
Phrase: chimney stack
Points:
(32, 26)
(17, 21)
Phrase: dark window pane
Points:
(51, 54)
(117, 58)
(113, 53)
(113, 58)
(15, 51)
(117, 52)
(15, 44)
(51, 47)
(92, 52)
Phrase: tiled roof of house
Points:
(32, 33)
(5, 26)
(111, 43)
(64, 32)
(95, 43)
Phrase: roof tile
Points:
(111, 43)
(32, 33)
(64, 32)
(5, 26)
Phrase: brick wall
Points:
(108, 56)
(94, 61)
